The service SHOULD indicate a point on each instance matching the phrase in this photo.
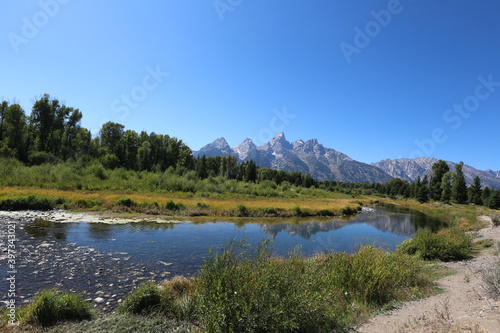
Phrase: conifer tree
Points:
(459, 187)
(446, 188)
(438, 170)
(475, 192)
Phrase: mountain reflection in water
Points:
(386, 218)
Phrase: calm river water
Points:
(107, 261)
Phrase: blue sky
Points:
(372, 79)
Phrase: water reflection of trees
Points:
(400, 222)
(102, 231)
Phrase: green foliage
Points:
(475, 192)
(174, 298)
(30, 202)
(242, 210)
(171, 205)
(178, 298)
(239, 291)
(439, 169)
(202, 205)
(297, 211)
(242, 289)
(372, 275)
(350, 211)
(145, 299)
(459, 187)
(121, 323)
(50, 307)
(446, 187)
(127, 202)
(445, 245)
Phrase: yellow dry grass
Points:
(227, 202)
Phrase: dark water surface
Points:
(105, 260)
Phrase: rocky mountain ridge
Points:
(411, 169)
(303, 156)
(328, 164)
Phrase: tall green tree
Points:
(201, 167)
(130, 144)
(475, 192)
(15, 132)
(423, 190)
(446, 187)
(459, 186)
(3, 108)
(110, 137)
(438, 170)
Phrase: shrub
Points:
(30, 202)
(178, 298)
(145, 299)
(51, 306)
(325, 212)
(127, 202)
(297, 211)
(249, 291)
(445, 245)
(270, 211)
(202, 205)
(491, 279)
(242, 210)
(171, 205)
(350, 211)
(495, 219)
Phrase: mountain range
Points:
(328, 164)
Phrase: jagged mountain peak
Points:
(220, 143)
(277, 146)
(216, 148)
(245, 149)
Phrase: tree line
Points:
(442, 185)
(52, 133)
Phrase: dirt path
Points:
(463, 307)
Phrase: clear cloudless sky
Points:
(424, 81)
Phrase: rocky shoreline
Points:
(104, 278)
(63, 216)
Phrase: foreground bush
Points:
(145, 299)
(445, 245)
(174, 298)
(239, 291)
(242, 290)
(371, 277)
(50, 307)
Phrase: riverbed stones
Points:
(46, 261)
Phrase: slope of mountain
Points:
(307, 157)
(217, 148)
(410, 169)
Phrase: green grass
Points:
(144, 300)
(248, 290)
(51, 306)
(120, 323)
